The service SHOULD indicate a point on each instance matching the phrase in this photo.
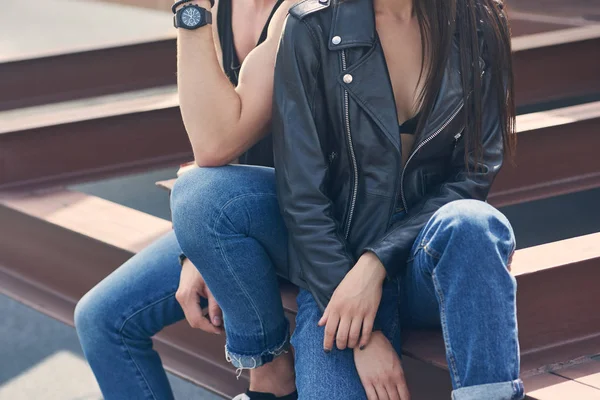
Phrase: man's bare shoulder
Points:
(278, 20)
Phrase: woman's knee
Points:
(477, 220)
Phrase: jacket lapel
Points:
(371, 88)
(354, 26)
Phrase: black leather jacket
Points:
(338, 152)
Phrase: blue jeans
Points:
(228, 223)
(457, 279)
(117, 318)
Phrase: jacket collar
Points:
(353, 23)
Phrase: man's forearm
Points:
(209, 104)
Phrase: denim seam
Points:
(517, 350)
(228, 264)
(426, 246)
(450, 352)
(139, 371)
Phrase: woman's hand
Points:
(191, 288)
(354, 304)
(380, 370)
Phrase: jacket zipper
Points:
(423, 143)
(352, 155)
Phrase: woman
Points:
(391, 121)
(116, 319)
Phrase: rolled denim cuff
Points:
(251, 361)
(511, 390)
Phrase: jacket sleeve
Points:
(469, 181)
(319, 250)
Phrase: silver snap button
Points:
(323, 1)
(336, 40)
(347, 78)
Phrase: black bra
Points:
(410, 126)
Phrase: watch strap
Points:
(180, 2)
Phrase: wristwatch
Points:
(192, 17)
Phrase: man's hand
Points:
(191, 288)
(380, 370)
(354, 304)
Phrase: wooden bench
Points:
(86, 50)
(55, 245)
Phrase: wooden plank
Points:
(94, 147)
(553, 387)
(557, 117)
(88, 49)
(91, 216)
(556, 38)
(551, 255)
(68, 112)
(543, 166)
(587, 373)
(78, 27)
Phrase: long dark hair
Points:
(440, 21)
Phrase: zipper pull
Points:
(332, 157)
(457, 138)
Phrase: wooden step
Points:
(557, 65)
(91, 138)
(543, 166)
(56, 244)
(580, 381)
(87, 49)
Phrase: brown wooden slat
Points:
(553, 387)
(126, 133)
(544, 167)
(587, 373)
(545, 164)
(86, 49)
(557, 65)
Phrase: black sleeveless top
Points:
(262, 152)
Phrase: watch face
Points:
(191, 16)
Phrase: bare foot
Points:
(276, 377)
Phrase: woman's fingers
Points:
(341, 339)
(367, 329)
(354, 334)
(392, 391)
(403, 391)
(371, 393)
(323, 319)
(330, 330)
(381, 392)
